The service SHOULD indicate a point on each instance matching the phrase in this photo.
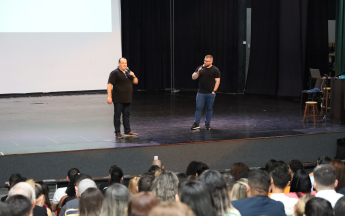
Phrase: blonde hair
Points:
(209, 56)
(171, 209)
(133, 183)
(158, 172)
(300, 205)
(239, 190)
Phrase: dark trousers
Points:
(124, 109)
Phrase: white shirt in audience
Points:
(329, 195)
(59, 193)
(288, 202)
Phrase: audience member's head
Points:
(275, 165)
(201, 168)
(280, 178)
(195, 194)
(5, 210)
(191, 168)
(339, 208)
(71, 173)
(46, 195)
(258, 183)
(171, 209)
(40, 197)
(229, 180)
(23, 188)
(116, 175)
(219, 192)
(300, 183)
(19, 205)
(323, 160)
(165, 186)
(339, 168)
(141, 204)
(269, 163)
(133, 185)
(300, 205)
(84, 185)
(318, 207)
(158, 163)
(158, 172)
(239, 190)
(115, 201)
(295, 165)
(238, 168)
(324, 176)
(182, 177)
(14, 178)
(90, 201)
(153, 168)
(145, 182)
(81, 177)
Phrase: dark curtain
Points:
(205, 27)
(280, 57)
(340, 38)
(263, 67)
(146, 41)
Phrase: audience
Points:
(339, 208)
(258, 202)
(90, 203)
(23, 188)
(339, 168)
(6, 211)
(82, 183)
(318, 207)
(239, 168)
(133, 185)
(195, 194)
(325, 182)
(280, 178)
(145, 182)
(65, 191)
(229, 181)
(165, 186)
(14, 179)
(18, 205)
(269, 164)
(196, 168)
(300, 205)
(115, 176)
(239, 190)
(321, 160)
(182, 177)
(158, 163)
(140, 204)
(300, 185)
(171, 209)
(295, 165)
(39, 209)
(219, 192)
(115, 201)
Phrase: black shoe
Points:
(207, 127)
(195, 126)
(119, 136)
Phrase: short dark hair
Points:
(182, 177)
(122, 58)
(269, 163)
(296, 165)
(72, 172)
(153, 168)
(14, 177)
(229, 180)
(339, 207)
(201, 168)
(275, 165)
(19, 205)
(145, 182)
(324, 175)
(318, 207)
(300, 183)
(5, 209)
(116, 175)
(281, 176)
(323, 160)
(191, 168)
(259, 181)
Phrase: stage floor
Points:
(81, 122)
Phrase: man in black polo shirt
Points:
(120, 81)
(209, 79)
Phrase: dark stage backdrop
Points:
(146, 41)
(205, 27)
(201, 27)
(284, 36)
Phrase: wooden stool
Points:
(326, 94)
(308, 105)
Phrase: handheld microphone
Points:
(127, 72)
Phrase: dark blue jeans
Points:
(201, 100)
(124, 109)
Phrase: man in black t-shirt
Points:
(209, 79)
(120, 91)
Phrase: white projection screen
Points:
(58, 45)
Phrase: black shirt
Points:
(207, 79)
(122, 86)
